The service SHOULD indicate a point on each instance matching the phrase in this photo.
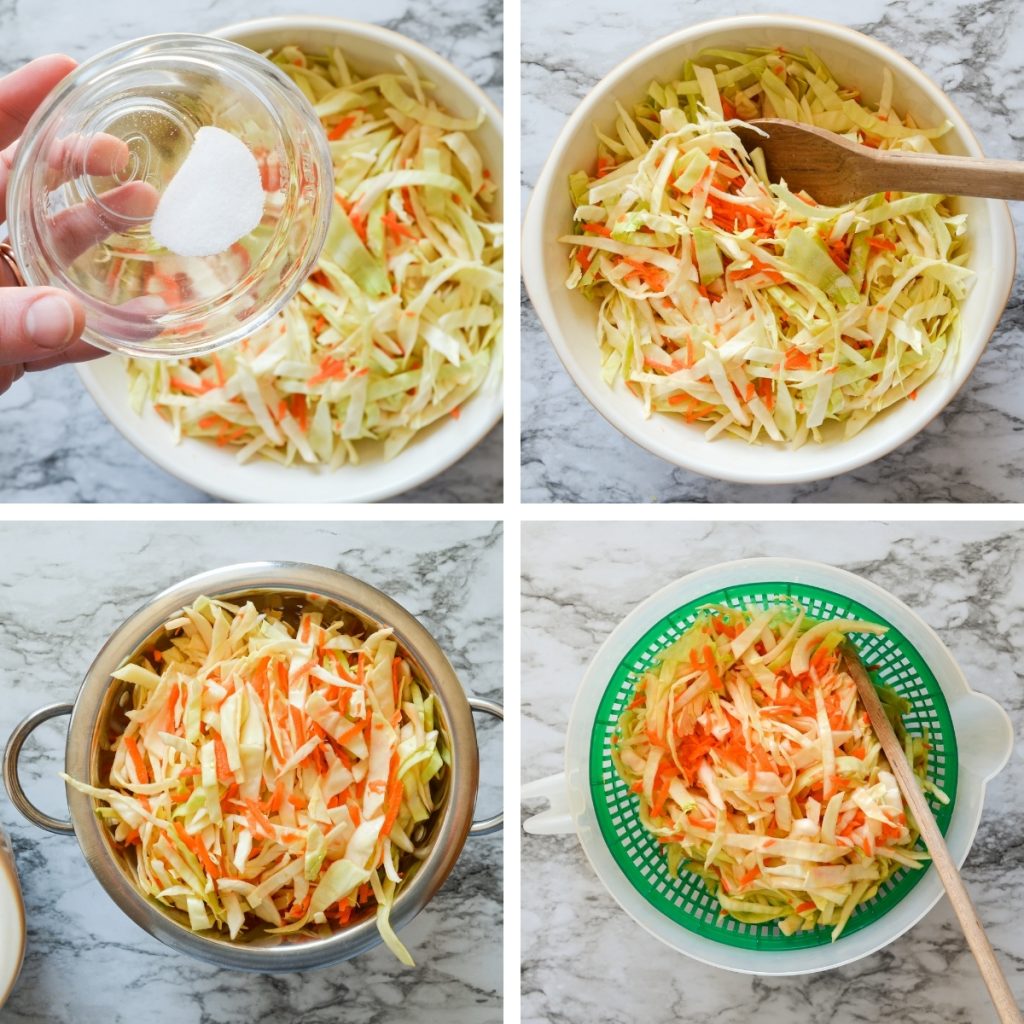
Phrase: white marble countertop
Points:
(972, 452)
(55, 444)
(583, 958)
(65, 587)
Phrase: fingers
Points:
(6, 163)
(79, 228)
(37, 324)
(138, 315)
(98, 154)
(23, 90)
(101, 155)
(9, 374)
(76, 352)
(7, 278)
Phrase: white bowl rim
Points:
(633, 426)
(174, 459)
(9, 878)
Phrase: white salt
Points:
(215, 199)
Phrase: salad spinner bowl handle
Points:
(489, 825)
(984, 733)
(11, 779)
(557, 819)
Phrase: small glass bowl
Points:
(81, 205)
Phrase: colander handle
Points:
(557, 819)
(13, 783)
(489, 825)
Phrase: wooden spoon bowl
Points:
(834, 170)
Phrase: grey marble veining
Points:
(55, 444)
(583, 958)
(973, 452)
(64, 588)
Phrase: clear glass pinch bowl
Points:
(100, 152)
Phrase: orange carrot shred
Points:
(140, 765)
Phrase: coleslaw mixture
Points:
(732, 302)
(273, 774)
(402, 320)
(756, 767)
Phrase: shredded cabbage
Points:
(275, 767)
(734, 303)
(756, 768)
(402, 320)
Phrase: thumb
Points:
(37, 323)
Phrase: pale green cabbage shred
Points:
(755, 767)
(738, 305)
(283, 786)
(394, 330)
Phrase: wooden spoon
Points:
(834, 170)
(991, 972)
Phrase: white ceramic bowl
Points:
(570, 320)
(12, 921)
(215, 470)
(984, 738)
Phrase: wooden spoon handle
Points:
(991, 972)
(947, 175)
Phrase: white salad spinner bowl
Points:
(983, 741)
(571, 320)
(216, 470)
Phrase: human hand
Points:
(39, 327)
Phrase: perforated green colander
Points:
(892, 659)
(909, 658)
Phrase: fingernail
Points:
(50, 322)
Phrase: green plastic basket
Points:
(892, 660)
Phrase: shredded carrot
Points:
(353, 810)
(342, 127)
(275, 802)
(794, 359)
(351, 733)
(330, 369)
(192, 389)
(396, 229)
(297, 408)
(396, 677)
(840, 253)
(224, 773)
(137, 759)
(196, 845)
(229, 436)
